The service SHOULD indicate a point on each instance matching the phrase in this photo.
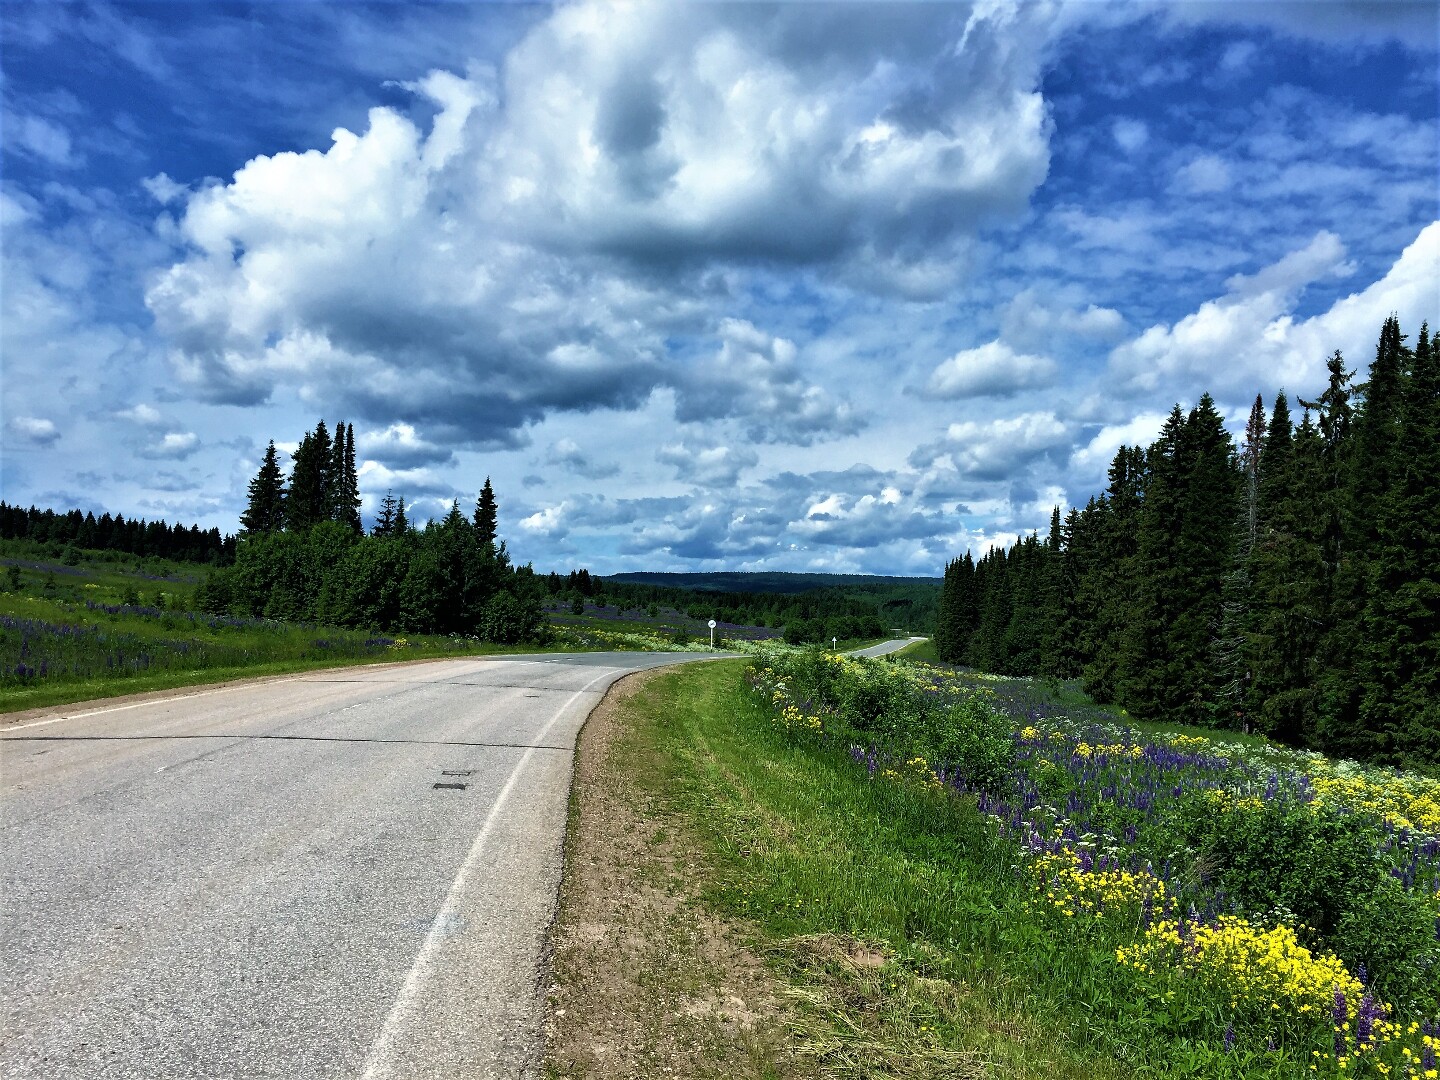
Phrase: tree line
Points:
(134, 536)
(810, 617)
(303, 555)
(1288, 585)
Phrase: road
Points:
(894, 645)
(341, 874)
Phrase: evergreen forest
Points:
(812, 617)
(303, 554)
(1288, 585)
(70, 529)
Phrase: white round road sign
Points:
(712, 624)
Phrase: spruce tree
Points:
(1106, 587)
(385, 520)
(987, 644)
(950, 614)
(349, 500)
(1337, 708)
(265, 509)
(1285, 568)
(1024, 633)
(1186, 529)
(1054, 594)
(336, 496)
(957, 615)
(1230, 670)
(402, 523)
(1359, 717)
(308, 503)
(486, 515)
(1399, 660)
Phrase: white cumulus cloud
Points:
(991, 370)
(35, 429)
(1249, 338)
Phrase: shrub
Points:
(508, 619)
(1308, 860)
(1392, 933)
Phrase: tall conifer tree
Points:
(265, 509)
(308, 503)
(487, 514)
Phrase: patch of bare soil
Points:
(645, 983)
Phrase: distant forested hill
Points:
(771, 582)
(810, 606)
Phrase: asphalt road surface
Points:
(341, 874)
(894, 645)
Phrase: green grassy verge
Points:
(921, 650)
(877, 903)
(76, 653)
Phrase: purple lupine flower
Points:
(1370, 1010)
(1339, 1014)
(1230, 1036)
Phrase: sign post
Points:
(834, 644)
(712, 633)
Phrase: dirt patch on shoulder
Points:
(644, 981)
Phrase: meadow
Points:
(1226, 907)
(80, 624)
(955, 874)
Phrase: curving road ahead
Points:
(342, 874)
(893, 645)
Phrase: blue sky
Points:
(808, 286)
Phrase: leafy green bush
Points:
(891, 705)
(1392, 932)
(976, 738)
(509, 619)
(1281, 856)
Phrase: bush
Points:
(1392, 932)
(509, 620)
(1279, 857)
(977, 739)
(889, 705)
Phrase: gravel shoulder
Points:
(644, 981)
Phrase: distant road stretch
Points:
(343, 874)
(894, 645)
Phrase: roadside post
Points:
(712, 633)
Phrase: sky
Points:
(838, 287)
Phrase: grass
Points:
(76, 653)
(1044, 922)
(876, 903)
(921, 650)
(77, 626)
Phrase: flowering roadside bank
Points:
(1273, 907)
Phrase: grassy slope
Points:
(226, 653)
(870, 899)
(921, 650)
(54, 592)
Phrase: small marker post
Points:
(712, 633)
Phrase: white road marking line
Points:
(117, 708)
(380, 1050)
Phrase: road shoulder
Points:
(643, 980)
